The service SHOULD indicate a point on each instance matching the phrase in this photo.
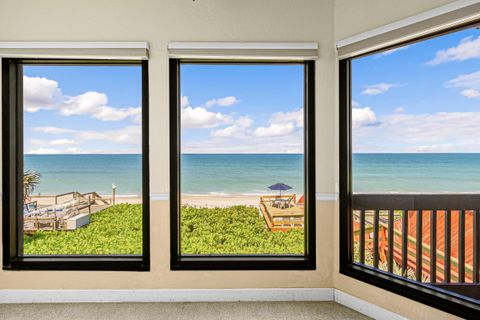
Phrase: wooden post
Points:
(89, 204)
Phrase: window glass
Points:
(82, 162)
(242, 159)
(415, 115)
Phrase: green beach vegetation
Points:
(234, 230)
(115, 230)
(118, 230)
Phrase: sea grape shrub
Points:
(234, 230)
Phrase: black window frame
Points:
(12, 167)
(436, 297)
(243, 262)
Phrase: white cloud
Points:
(127, 135)
(241, 129)
(83, 104)
(222, 102)
(63, 142)
(94, 104)
(228, 132)
(470, 93)
(468, 48)
(399, 109)
(44, 94)
(39, 93)
(75, 150)
(437, 132)
(239, 136)
(197, 118)
(377, 88)
(44, 151)
(275, 130)
(470, 83)
(295, 116)
(184, 102)
(115, 114)
(363, 117)
(57, 142)
(244, 122)
(389, 52)
(52, 130)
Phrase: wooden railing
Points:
(46, 220)
(281, 219)
(436, 236)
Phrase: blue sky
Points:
(82, 109)
(424, 97)
(242, 108)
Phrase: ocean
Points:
(251, 174)
(416, 172)
(87, 172)
(240, 174)
(216, 174)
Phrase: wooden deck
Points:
(53, 217)
(440, 242)
(278, 219)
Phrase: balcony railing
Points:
(429, 238)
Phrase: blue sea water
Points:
(253, 173)
(245, 174)
(200, 173)
(87, 172)
(424, 172)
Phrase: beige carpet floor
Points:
(181, 311)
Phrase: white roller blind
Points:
(292, 51)
(75, 50)
(442, 18)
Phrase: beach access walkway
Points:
(426, 242)
(282, 212)
(66, 211)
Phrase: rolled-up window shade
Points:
(442, 18)
(75, 50)
(290, 51)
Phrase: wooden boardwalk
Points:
(426, 238)
(63, 212)
(288, 216)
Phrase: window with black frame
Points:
(75, 164)
(410, 169)
(242, 152)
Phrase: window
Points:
(242, 165)
(75, 165)
(409, 169)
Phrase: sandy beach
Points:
(49, 199)
(218, 200)
(186, 199)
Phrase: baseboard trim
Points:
(197, 295)
(364, 307)
(166, 295)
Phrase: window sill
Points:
(424, 293)
(235, 262)
(79, 263)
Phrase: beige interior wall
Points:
(353, 17)
(161, 21)
(158, 22)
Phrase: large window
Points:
(75, 165)
(242, 158)
(410, 169)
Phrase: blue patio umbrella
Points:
(280, 186)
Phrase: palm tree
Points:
(30, 180)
